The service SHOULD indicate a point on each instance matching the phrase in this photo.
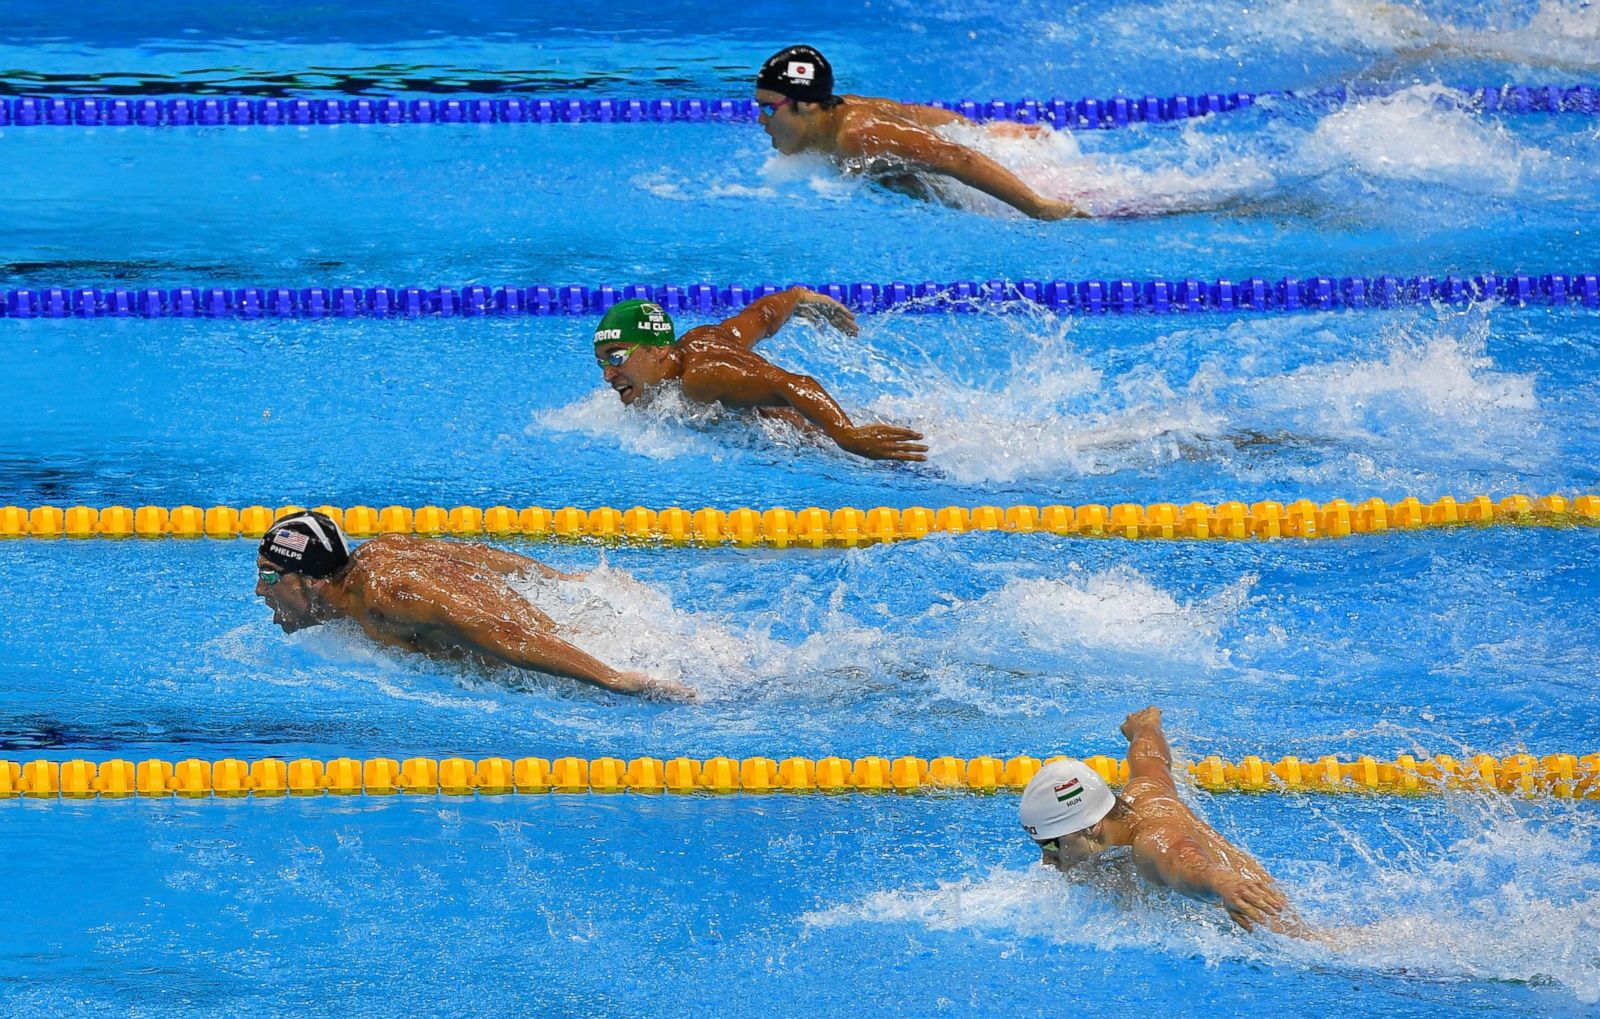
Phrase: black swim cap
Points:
(307, 543)
(798, 72)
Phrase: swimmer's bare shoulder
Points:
(710, 353)
(708, 339)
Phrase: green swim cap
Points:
(643, 322)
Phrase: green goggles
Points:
(269, 577)
(616, 358)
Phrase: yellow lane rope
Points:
(814, 527)
(1560, 775)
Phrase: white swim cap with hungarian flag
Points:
(1065, 796)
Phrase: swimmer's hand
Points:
(656, 689)
(819, 308)
(1250, 901)
(1141, 720)
(883, 442)
(1012, 129)
(1054, 208)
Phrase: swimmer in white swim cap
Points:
(1072, 815)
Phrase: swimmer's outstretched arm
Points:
(764, 317)
(922, 147)
(749, 380)
(1149, 756)
(500, 625)
(1167, 853)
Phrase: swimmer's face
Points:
(784, 125)
(287, 597)
(1067, 850)
(629, 369)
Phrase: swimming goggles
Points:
(269, 577)
(768, 109)
(1053, 847)
(616, 358)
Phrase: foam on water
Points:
(1560, 34)
(1047, 414)
(662, 428)
(796, 180)
(1517, 898)
(1421, 134)
(1436, 375)
(632, 624)
(1095, 620)
(252, 653)
(1117, 610)
(1180, 171)
(1102, 907)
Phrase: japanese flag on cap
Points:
(798, 72)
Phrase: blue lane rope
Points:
(1080, 114)
(1086, 297)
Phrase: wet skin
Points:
(864, 128)
(447, 599)
(716, 365)
(1171, 846)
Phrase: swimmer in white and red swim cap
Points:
(1072, 815)
(438, 597)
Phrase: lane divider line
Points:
(1077, 297)
(815, 527)
(1084, 114)
(1566, 776)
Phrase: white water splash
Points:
(1422, 134)
(1517, 898)
(633, 624)
(1117, 609)
(1437, 378)
(1184, 170)
(254, 653)
(1047, 414)
(1559, 34)
(662, 428)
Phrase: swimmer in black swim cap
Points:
(438, 597)
(801, 113)
(308, 543)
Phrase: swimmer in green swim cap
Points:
(1072, 815)
(895, 141)
(637, 348)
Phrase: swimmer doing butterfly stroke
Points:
(638, 349)
(1072, 815)
(890, 141)
(443, 598)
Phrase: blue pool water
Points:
(1435, 642)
